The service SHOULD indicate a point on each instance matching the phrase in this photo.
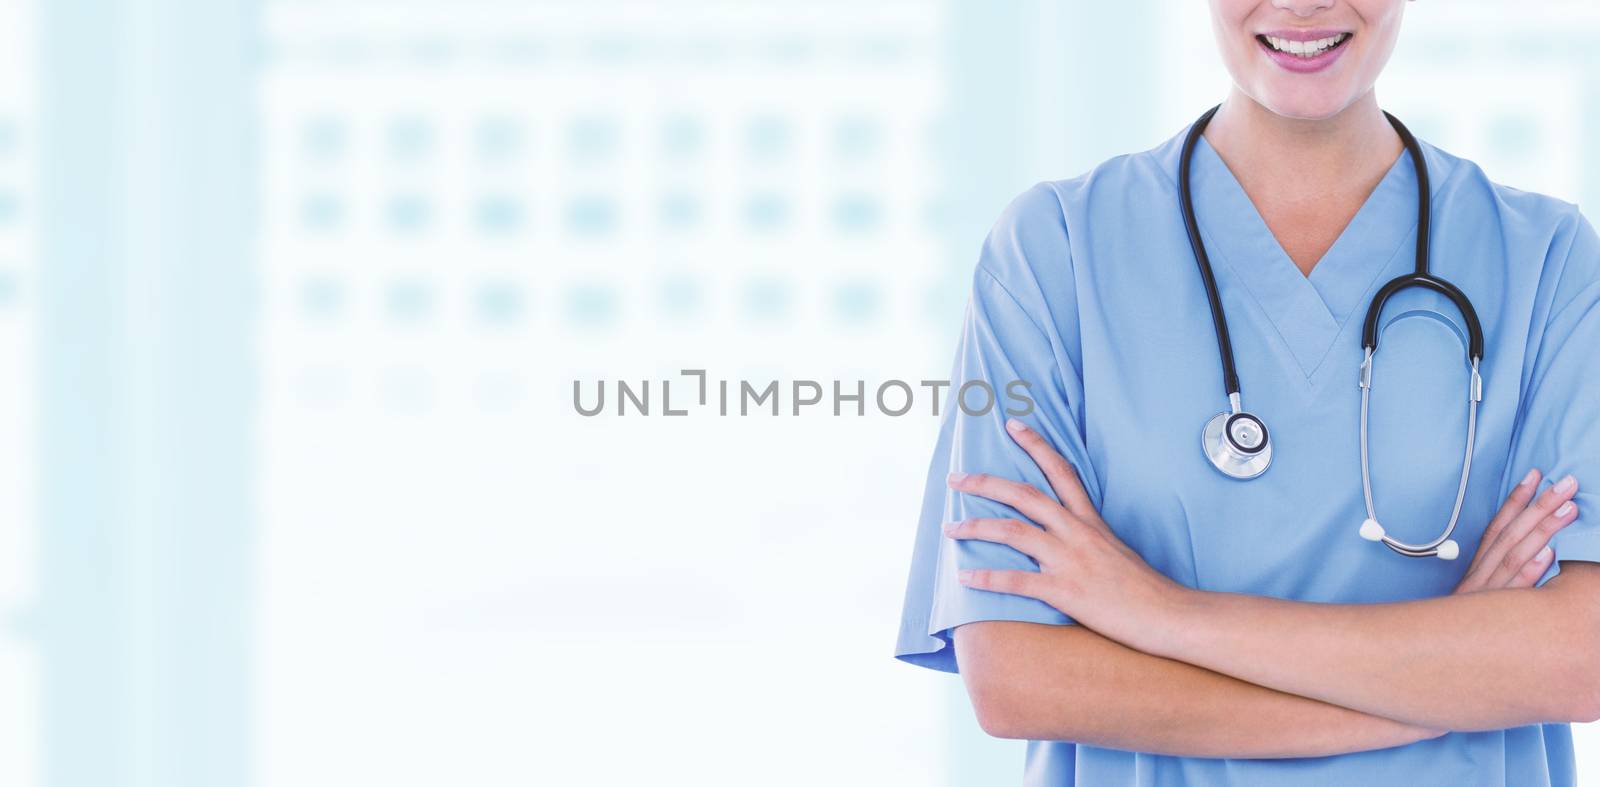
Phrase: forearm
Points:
(1068, 683)
(1478, 661)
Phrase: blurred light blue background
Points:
(292, 296)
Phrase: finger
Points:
(1025, 498)
(1491, 548)
(1518, 500)
(1530, 572)
(1518, 528)
(1023, 537)
(1536, 539)
(1536, 544)
(1063, 477)
(1018, 583)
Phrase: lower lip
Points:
(1304, 65)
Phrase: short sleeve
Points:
(1018, 354)
(1558, 423)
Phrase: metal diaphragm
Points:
(1237, 444)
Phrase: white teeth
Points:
(1305, 48)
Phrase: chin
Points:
(1302, 103)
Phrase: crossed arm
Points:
(1039, 682)
(1160, 668)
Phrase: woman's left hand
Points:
(1085, 571)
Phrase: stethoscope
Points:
(1237, 442)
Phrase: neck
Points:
(1306, 178)
(1311, 152)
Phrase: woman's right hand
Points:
(1514, 551)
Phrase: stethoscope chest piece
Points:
(1237, 443)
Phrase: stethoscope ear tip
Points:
(1372, 531)
(1449, 550)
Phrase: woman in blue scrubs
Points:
(1142, 618)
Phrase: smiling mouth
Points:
(1304, 49)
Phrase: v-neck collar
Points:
(1309, 313)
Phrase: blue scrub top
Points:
(1087, 289)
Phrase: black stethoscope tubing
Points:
(1369, 331)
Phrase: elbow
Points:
(1583, 713)
(999, 710)
(1579, 689)
(997, 717)
(1580, 700)
(996, 680)
(1581, 704)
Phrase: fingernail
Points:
(949, 526)
(1545, 554)
(1528, 479)
(956, 478)
(1566, 508)
(1566, 483)
(1015, 425)
(964, 575)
